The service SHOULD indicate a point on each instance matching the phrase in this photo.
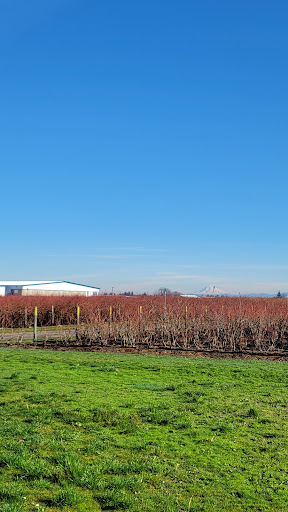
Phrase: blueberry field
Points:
(222, 324)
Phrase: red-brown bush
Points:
(220, 322)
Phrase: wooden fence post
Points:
(164, 319)
(35, 324)
(110, 319)
(77, 323)
(140, 321)
(186, 340)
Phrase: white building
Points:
(46, 288)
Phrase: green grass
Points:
(90, 432)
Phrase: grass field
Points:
(91, 432)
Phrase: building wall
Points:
(48, 292)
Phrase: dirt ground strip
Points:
(68, 334)
(64, 345)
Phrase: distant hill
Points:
(258, 295)
(213, 291)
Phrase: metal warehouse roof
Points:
(39, 283)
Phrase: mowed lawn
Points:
(91, 432)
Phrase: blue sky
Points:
(144, 144)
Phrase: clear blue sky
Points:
(144, 144)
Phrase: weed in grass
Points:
(71, 465)
(107, 368)
(223, 428)
(111, 417)
(114, 499)
(252, 413)
(95, 448)
(156, 415)
(65, 497)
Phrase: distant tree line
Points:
(281, 295)
(166, 291)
